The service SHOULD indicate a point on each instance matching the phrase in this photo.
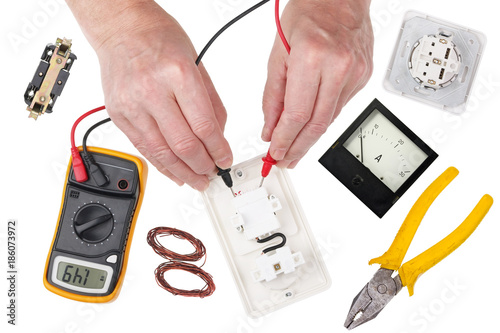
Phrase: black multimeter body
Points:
(89, 252)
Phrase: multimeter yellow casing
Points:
(89, 252)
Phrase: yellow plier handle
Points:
(393, 258)
(412, 269)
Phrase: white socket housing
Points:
(435, 62)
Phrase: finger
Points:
(134, 137)
(301, 92)
(219, 109)
(149, 140)
(293, 164)
(180, 138)
(347, 94)
(289, 164)
(322, 116)
(194, 101)
(274, 90)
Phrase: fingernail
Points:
(278, 154)
(283, 164)
(293, 164)
(202, 185)
(224, 163)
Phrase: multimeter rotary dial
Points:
(93, 223)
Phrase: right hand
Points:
(163, 102)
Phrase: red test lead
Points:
(268, 160)
(79, 168)
(266, 168)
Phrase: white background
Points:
(459, 294)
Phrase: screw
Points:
(59, 82)
(356, 181)
(288, 294)
(58, 60)
(42, 99)
(40, 74)
(239, 174)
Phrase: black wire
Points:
(273, 236)
(225, 173)
(198, 60)
(93, 127)
(230, 23)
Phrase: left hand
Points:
(330, 61)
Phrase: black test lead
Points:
(224, 173)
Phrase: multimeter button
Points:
(93, 223)
(112, 259)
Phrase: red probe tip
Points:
(79, 169)
(268, 164)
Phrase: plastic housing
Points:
(306, 279)
(454, 93)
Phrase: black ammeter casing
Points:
(95, 228)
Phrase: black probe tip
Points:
(226, 177)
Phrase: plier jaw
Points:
(373, 298)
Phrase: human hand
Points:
(154, 92)
(330, 61)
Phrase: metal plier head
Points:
(373, 298)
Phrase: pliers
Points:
(383, 287)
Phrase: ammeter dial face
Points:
(385, 150)
(378, 158)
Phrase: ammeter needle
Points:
(361, 140)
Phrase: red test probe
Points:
(266, 168)
(268, 160)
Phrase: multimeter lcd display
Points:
(384, 149)
(81, 276)
(378, 158)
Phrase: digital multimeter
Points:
(89, 252)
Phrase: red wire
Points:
(278, 25)
(85, 115)
(268, 160)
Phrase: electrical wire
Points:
(207, 290)
(200, 56)
(83, 116)
(93, 127)
(93, 168)
(79, 169)
(177, 261)
(268, 160)
(274, 247)
(278, 26)
(230, 23)
(152, 239)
